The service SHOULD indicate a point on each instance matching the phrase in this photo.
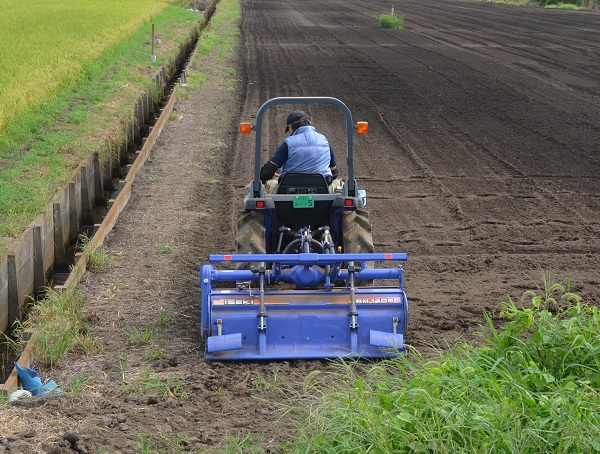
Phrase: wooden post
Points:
(152, 55)
(13, 291)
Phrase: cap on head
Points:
(296, 116)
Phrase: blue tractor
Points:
(305, 283)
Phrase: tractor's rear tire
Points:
(250, 237)
(356, 229)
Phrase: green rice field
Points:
(74, 71)
(48, 42)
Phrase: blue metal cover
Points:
(315, 320)
(308, 324)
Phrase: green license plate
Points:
(304, 201)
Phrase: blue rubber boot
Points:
(31, 382)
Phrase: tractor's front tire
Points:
(358, 239)
(250, 237)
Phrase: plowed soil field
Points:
(482, 163)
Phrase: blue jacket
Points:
(307, 151)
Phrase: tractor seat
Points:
(302, 183)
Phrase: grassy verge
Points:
(555, 4)
(566, 6)
(78, 111)
(533, 387)
(217, 43)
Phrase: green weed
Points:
(174, 442)
(220, 392)
(165, 316)
(156, 354)
(174, 116)
(137, 337)
(533, 387)
(245, 443)
(122, 364)
(166, 443)
(261, 383)
(182, 93)
(145, 445)
(76, 385)
(172, 386)
(58, 325)
(99, 258)
(568, 6)
(391, 20)
(164, 248)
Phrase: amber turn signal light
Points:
(245, 128)
(362, 127)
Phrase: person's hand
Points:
(267, 171)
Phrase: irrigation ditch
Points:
(47, 254)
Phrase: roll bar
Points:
(350, 127)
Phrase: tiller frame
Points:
(317, 319)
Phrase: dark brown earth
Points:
(482, 162)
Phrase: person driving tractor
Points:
(304, 150)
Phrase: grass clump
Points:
(138, 337)
(161, 443)
(165, 316)
(570, 6)
(153, 383)
(391, 20)
(171, 386)
(156, 354)
(532, 387)
(555, 4)
(98, 256)
(164, 248)
(58, 326)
